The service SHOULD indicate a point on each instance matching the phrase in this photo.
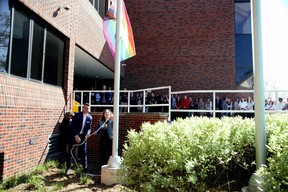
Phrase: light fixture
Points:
(67, 7)
(60, 9)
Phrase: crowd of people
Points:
(154, 103)
(244, 104)
(134, 99)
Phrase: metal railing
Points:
(87, 96)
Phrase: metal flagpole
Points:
(258, 84)
(114, 160)
(255, 182)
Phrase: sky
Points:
(275, 43)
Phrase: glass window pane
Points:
(96, 5)
(20, 44)
(37, 52)
(5, 17)
(244, 63)
(102, 8)
(242, 18)
(54, 60)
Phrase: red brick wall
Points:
(188, 44)
(28, 110)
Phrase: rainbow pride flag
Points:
(127, 46)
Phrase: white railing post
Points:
(144, 99)
(214, 104)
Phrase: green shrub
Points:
(275, 175)
(191, 154)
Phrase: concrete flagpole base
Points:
(255, 184)
(109, 172)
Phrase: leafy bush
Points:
(193, 154)
(275, 175)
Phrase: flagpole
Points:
(258, 84)
(114, 160)
(256, 182)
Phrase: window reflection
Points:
(20, 44)
(37, 52)
(243, 41)
(100, 6)
(5, 18)
(242, 18)
(54, 59)
(28, 57)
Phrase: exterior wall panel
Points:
(30, 114)
(185, 44)
(81, 23)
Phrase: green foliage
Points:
(39, 170)
(79, 171)
(57, 185)
(34, 179)
(85, 179)
(275, 175)
(191, 154)
(14, 181)
(36, 182)
(51, 164)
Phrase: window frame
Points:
(32, 20)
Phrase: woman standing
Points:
(65, 133)
(105, 132)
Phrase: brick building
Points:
(50, 47)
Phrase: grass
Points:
(35, 180)
(13, 181)
(57, 185)
(85, 180)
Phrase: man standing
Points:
(80, 130)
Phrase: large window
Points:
(242, 18)
(54, 60)
(4, 34)
(20, 44)
(100, 6)
(243, 41)
(37, 50)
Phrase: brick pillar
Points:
(69, 73)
